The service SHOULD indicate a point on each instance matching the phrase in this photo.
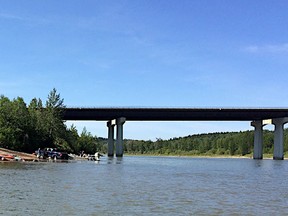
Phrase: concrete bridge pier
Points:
(119, 138)
(111, 124)
(258, 139)
(278, 153)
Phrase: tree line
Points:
(39, 124)
(224, 143)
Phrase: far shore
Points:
(32, 157)
(249, 156)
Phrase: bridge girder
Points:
(174, 114)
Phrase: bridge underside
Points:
(174, 114)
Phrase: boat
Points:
(6, 157)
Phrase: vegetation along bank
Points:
(27, 127)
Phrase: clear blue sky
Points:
(164, 53)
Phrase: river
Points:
(144, 185)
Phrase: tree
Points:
(14, 123)
(52, 118)
(72, 138)
(49, 129)
(54, 101)
(87, 142)
(29, 128)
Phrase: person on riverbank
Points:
(97, 156)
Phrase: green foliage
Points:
(26, 129)
(54, 101)
(14, 123)
(228, 143)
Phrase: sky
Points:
(147, 53)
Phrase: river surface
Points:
(136, 185)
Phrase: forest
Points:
(225, 143)
(39, 124)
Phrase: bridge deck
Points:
(174, 114)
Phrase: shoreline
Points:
(10, 155)
(265, 156)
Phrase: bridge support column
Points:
(119, 139)
(258, 139)
(111, 124)
(278, 153)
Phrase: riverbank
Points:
(10, 155)
(248, 156)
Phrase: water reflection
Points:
(258, 163)
(114, 160)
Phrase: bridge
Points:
(116, 116)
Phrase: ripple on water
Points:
(145, 186)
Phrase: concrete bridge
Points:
(259, 117)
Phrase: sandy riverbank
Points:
(9, 154)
